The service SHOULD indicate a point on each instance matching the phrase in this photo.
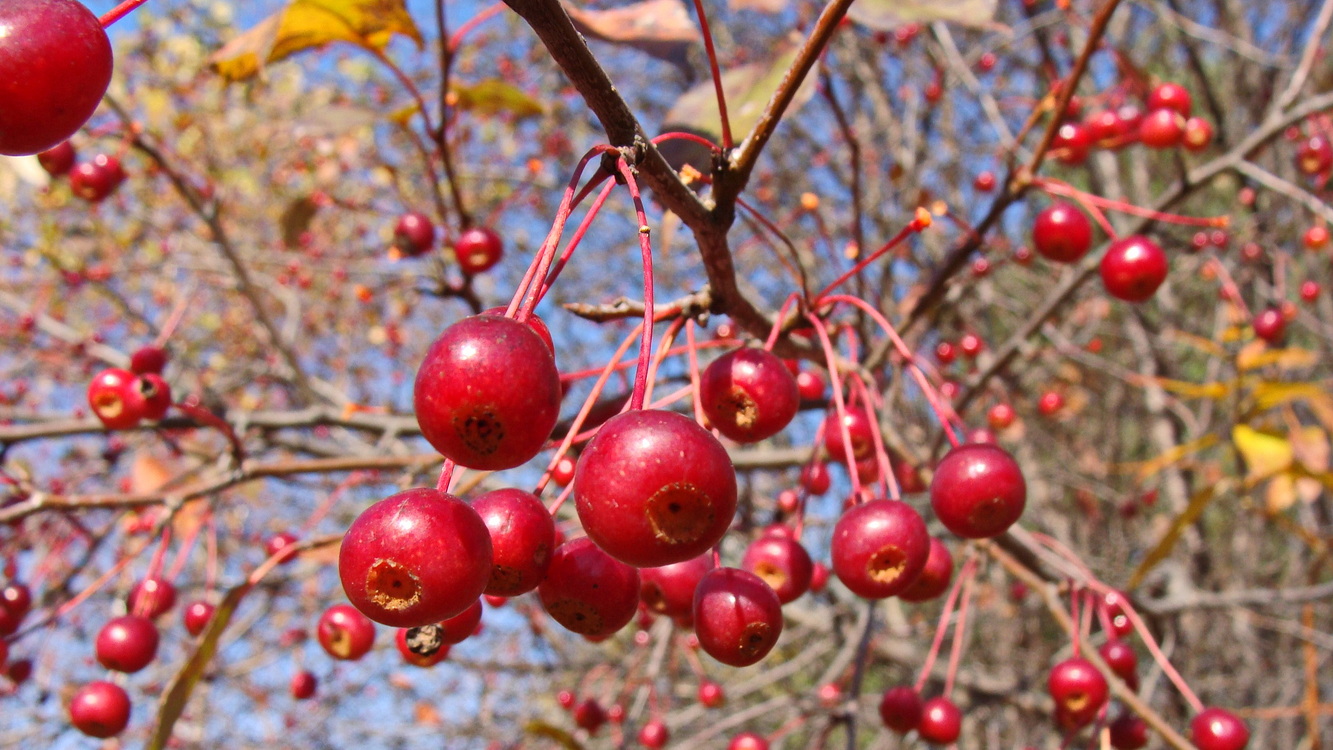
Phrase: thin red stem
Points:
(727, 142)
(119, 12)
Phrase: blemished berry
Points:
(303, 685)
(344, 633)
(782, 563)
(737, 617)
(859, 430)
(488, 393)
(900, 709)
(1062, 233)
(934, 577)
(669, 590)
(1218, 729)
(100, 709)
(1078, 689)
(55, 65)
(415, 558)
(478, 249)
(59, 159)
(879, 548)
(109, 396)
(414, 234)
(749, 394)
(196, 617)
(978, 491)
(1314, 156)
(1133, 268)
(149, 396)
(587, 591)
(522, 540)
(127, 644)
(941, 721)
(1198, 134)
(460, 627)
(654, 488)
(421, 647)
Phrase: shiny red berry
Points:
(100, 709)
(1217, 729)
(935, 576)
(1078, 689)
(127, 644)
(1062, 233)
(879, 548)
(522, 540)
(59, 159)
(414, 234)
(941, 721)
(587, 591)
(1170, 96)
(303, 685)
(782, 563)
(737, 616)
(1162, 128)
(669, 589)
(1133, 268)
(901, 708)
(1270, 325)
(95, 180)
(110, 398)
(749, 394)
(978, 491)
(344, 633)
(478, 249)
(196, 616)
(152, 597)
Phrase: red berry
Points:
(1078, 689)
(945, 352)
(1162, 128)
(278, 545)
(55, 65)
(1316, 237)
(749, 394)
(127, 644)
(1216, 729)
(782, 563)
(345, 633)
(566, 699)
(859, 429)
(1000, 416)
(100, 709)
(587, 591)
(941, 721)
(460, 627)
(17, 598)
(488, 394)
(815, 477)
(900, 709)
(669, 590)
(747, 741)
(537, 325)
(711, 694)
(1310, 290)
(978, 491)
(737, 616)
(1171, 96)
(818, 577)
(414, 234)
(984, 182)
(810, 385)
(196, 616)
(563, 473)
(58, 160)
(478, 249)
(1270, 325)
(654, 734)
(522, 540)
(1133, 268)
(415, 558)
(148, 359)
(303, 685)
(94, 180)
(589, 715)
(1071, 144)
(654, 488)
(152, 597)
(1103, 126)
(971, 345)
(1128, 732)
(934, 578)
(421, 647)
(1120, 657)
(110, 397)
(879, 548)
(1062, 233)
(1050, 403)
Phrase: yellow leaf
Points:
(1181, 522)
(494, 96)
(1280, 493)
(1146, 469)
(542, 729)
(1287, 359)
(1215, 391)
(887, 15)
(1265, 454)
(310, 24)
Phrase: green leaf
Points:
(494, 96)
(748, 90)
